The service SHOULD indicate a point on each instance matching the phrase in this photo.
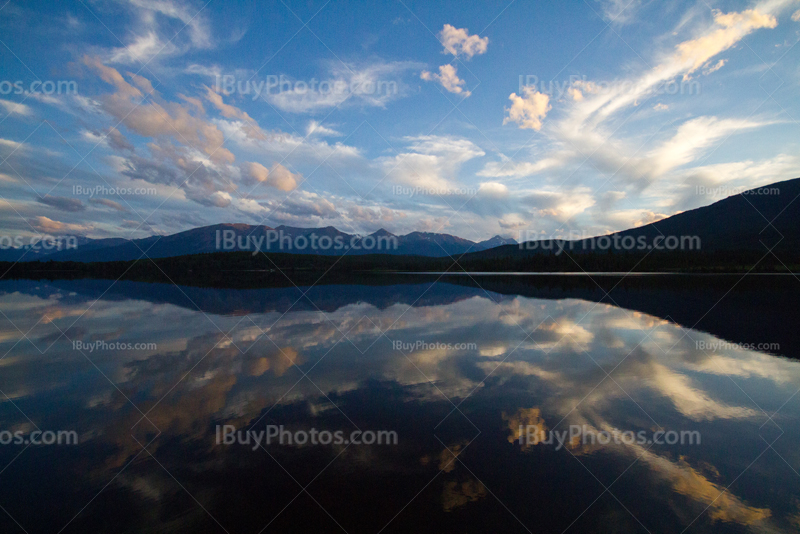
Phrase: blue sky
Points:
(128, 118)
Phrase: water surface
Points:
(453, 369)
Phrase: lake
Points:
(401, 404)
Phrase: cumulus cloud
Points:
(528, 110)
(796, 15)
(448, 77)
(458, 41)
(279, 177)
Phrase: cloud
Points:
(153, 119)
(315, 128)
(193, 19)
(493, 190)
(796, 16)
(62, 203)
(141, 50)
(560, 205)
(109, 204)
(528, 110)
(13, 145)
(154, 16)
(15, 108)
(373, 85)
(448, 77)
(431, 162)
(500, 169)
(512, 222)
(46, 225)
(279, 177)
(692, 138)
(729, 29)
(111, 137)
(303, 208)
(458, 41)
(619, 11)
(708, 69)
(217, 199)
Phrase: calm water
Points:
(452, 370)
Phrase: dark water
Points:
(451, 368)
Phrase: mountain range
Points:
(750, 221)
(231, 237)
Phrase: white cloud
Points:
(315, 128)
(15, 108)
(560, 205)
(620, 11)
(692, 138)
(528, 110)
(448, 77)
(431, 162)
(458, 41)
(141, 50)
(796, 15)
(192, 17)
(500, 169)
(493, 190)
(708, 69)
(373, 85)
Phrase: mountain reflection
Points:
(456, 371)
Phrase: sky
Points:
(130, 118)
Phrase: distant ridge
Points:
(212, 239)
